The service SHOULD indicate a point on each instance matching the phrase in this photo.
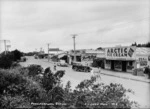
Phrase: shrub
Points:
(98, 63)
(17, 90)
(51, 83)
(15, 64)
(34, 70)
(17, 55)
(7, 101)
(89, 94)
(11, 82)
(6, 61)
(147, 71)
(51, 80)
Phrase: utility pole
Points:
(74, 36)
(5, 41)
(8, 46)
(48, 51)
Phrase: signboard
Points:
(89, 57)
(120, 53)
(143, 61)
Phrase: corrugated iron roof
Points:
(142, 51)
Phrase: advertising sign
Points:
(120, 53)
(89, 57)
(143, 61)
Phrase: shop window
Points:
(130, 65)
(107, 62)
(118, 64)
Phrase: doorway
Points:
(112, 64)
(124, 64)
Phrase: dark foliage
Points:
(6, 60)
(11, 82)
(19, 89)
(30, 53)
(34, 70)
(141, 45)
(17, 55)
(98, 63)
(147, 71)
(51, 80)
(89, 94)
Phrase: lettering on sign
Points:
(143, 61)
(120, 52)
(88, 57)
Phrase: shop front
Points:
(120, 58)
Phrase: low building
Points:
(84, 55)
(126, 58)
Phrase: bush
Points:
(6, 60)
(89, 94)
(7, 101)
(98, 63)
(11, 82)
(51, 83)
(51, 80)
(15, 64)
(17, 88)
(147, 71)
(34, 70)
(17, 55)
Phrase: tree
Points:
(34, 70)
(51, 83)
(135, 44)
(17, 54)
(6, 60)
(89, 94)
(141, 45)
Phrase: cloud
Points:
(30, 24)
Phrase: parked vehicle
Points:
(81, 68)
(62, 63)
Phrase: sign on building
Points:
(120, 53)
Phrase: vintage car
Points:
(80, 67)
(62, 63)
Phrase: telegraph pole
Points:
(5, 41)
(8, 46)
(74, 36)
(48, 51)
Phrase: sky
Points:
(30, 25)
